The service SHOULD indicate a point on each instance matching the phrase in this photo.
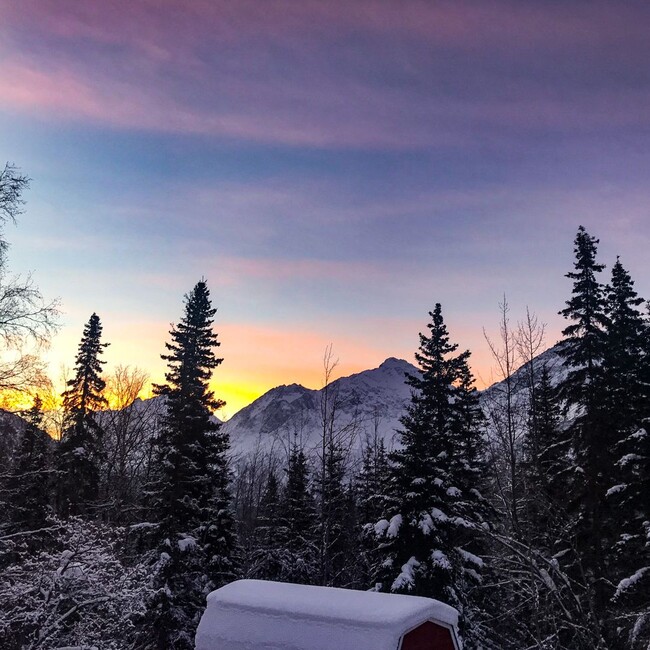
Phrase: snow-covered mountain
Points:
(366, 403)
(369, 401)
(519, 379)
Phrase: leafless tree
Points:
(27, 320)
(546, 608)
(251, 472)
(337, 438)
(530, 339)
(507, 417)
(129, 426)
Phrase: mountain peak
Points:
(395, 363)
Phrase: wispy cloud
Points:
(329, 74)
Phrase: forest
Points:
(526, 507)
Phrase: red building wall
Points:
(428, 636)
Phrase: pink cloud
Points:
(318, 118)
(316, 73)
(235, 270)
(471, 23)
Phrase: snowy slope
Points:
(369, 400)
(549, 358)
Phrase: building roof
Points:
(256, 615)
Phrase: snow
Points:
(625, 584)
(186, 543)
(629, 458)
(616, 489)
(143, 525)
(381, 526)
(259, 615)
(463, 523)
(439, 515)
(639, 435)
(470, 557)
(406, 580)
(390, 528)
(369, 399)
(394, 526)
(426, 523)
(548, 581)
(441, 560)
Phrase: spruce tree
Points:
(196, 545)
(584, 393)
(333, 542)
(474, 512)
(269, 559)
(584, 338)
(631, 574)
(543, 610)
(627, 369)
(372, 481)
(547, 451)
(468, 464)
(624, 360)
(29, 483)
(269, 513)
(80, 450)
(372, 490)
(297, 533)
(427, 536)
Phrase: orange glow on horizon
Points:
(256, 357)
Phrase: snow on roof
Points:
(262, 615)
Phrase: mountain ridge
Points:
(368, 403)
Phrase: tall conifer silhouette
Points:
(79, 453)
(190, 496)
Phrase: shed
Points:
(262, 615)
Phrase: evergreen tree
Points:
(80, 450)
(333, 542)
(372, 481)
(425, 537)
(372, 496)
(624, 360)
(546, 449)
(270, 560)
(269, 512)
(28, 485)
(297, 534)
(541, 607)
(473, 510)
(197, 548)
(25, 494)
(584, 394)
(631, 598)
(468, 463)
(352, 573)
(627, 369)
(584, 338)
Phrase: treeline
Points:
(528, 509)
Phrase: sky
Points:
(333, 169)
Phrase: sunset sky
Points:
(332, 168)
